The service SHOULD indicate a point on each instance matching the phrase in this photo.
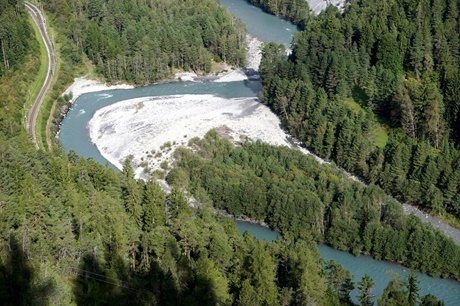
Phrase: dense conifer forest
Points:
(301, 198)
(141, 42)
(296, 11)
(375, 89)
(74, 232)
(15, 35)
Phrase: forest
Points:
(296, 11)
(14, 36)
(142, 42)
(75, 232)
(300, 197)
(375, 90)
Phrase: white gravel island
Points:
(141, 127)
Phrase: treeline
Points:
(399, 61)
(296, 11)
(142, 42)
(15, 35)
(301, 198)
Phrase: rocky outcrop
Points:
(317, 6)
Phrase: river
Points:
(381, 271)
(74, 135)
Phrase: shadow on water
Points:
(254, 85)
(17, 286)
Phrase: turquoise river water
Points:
(381, 271)
(74, 136)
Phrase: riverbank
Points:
(84, 85)
(159, 156)
(225, 73)
(244, 219)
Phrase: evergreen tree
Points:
(340, 280)
(365, 287)
(153, 206)
(393, 293)
(412, 289)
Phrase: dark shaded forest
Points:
(380, 67)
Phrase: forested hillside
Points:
(15, 35)
(74, 232)
(301, 198)
(391, 64)
(18, 52)
(141, 42)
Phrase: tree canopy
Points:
(142, 42)
(375, 90)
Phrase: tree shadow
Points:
(360, 96)
(254, 85)
(116, 284)
(17, 286)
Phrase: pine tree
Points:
(412, 289)
(262, 271)
(365, 288)
(340, 280)
(429, 174)
(433, 111)
(393, 294)
(431, 300)
(178, 204)
(153, 206)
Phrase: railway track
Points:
(39, 20)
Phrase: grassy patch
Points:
(380, 136)
(47, 111)
(351, 103)
(37, 84)
(379, 133)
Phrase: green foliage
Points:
(412, 289)
(76, 231)
(393, 294)
(340, 281)
(15, 35)
(430, 300)
(399, 293)
(365, 286)
(298, 196)
(383, 54)
(296, 11)
(142, 42)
